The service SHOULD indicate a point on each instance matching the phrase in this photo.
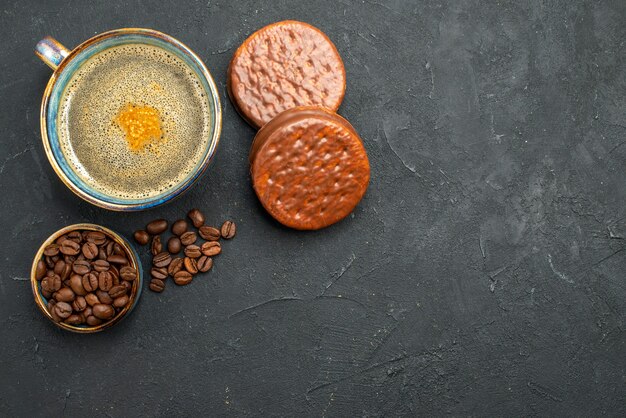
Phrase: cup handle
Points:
(50, 51)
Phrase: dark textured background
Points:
(483, 273)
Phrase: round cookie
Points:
(309, 168)
(284, 65)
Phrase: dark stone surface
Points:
(483, 274)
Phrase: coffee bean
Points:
(45, 294)
(179, 227)
(117, 249)
(65, 294)
(159, 273)
(104, 297)
(228, 229)
(127, 285)
(197, 217)
(40, 272)
(50, 262)
(183, 278)
(87, 312)
(79, 304)
(90, 282)
(157, 285)
(92, 321)
(156, 227)
(62, 309)
(51, 284)
(209, 233)
(63, 269)
(90, 250)
(108, 247)
(101, 265)
(173, 245)
(69, 247)
(117, 291)
(105, 281)
(75, 236)
(192, 251)
(102, 311)
(115, 273)
(102, 253)
(76, 284)
(175, 266)
(162, 259)
(121, 301)
(204, 263)
(96, 237)
(51, 250)
(91, 299)
(142, 237)
(60, 239)
(188, 238)
(190, 265)
(81, 267)
(156, 246)
(74, 319)
(128, 273)
(211, 248)
(117, 259)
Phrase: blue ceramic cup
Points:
(65, 62)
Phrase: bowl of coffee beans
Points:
(86, 278)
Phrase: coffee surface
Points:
(94, 143)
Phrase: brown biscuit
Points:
(309, 168)
(284, 65)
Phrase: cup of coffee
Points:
(130, 118)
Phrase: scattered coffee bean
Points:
(141, 237)
(179, 227)
(197, 217)
(183, 278)
(51, 250)
(175, 266)
(81, 267)
(209, 233)
(174, 245)
(156, 227)
(211, 248)
(69, 247)
(90, 250)
(156, 246)
(117, 259)
(41, 270)
(192, 251)
(128, 273)
(159, 273)
(102, 311)
(190, 265)
(204, 264)
(157, 285)
(188, 238)
(228, 230)
(162, 259)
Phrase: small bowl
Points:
(133, 259)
